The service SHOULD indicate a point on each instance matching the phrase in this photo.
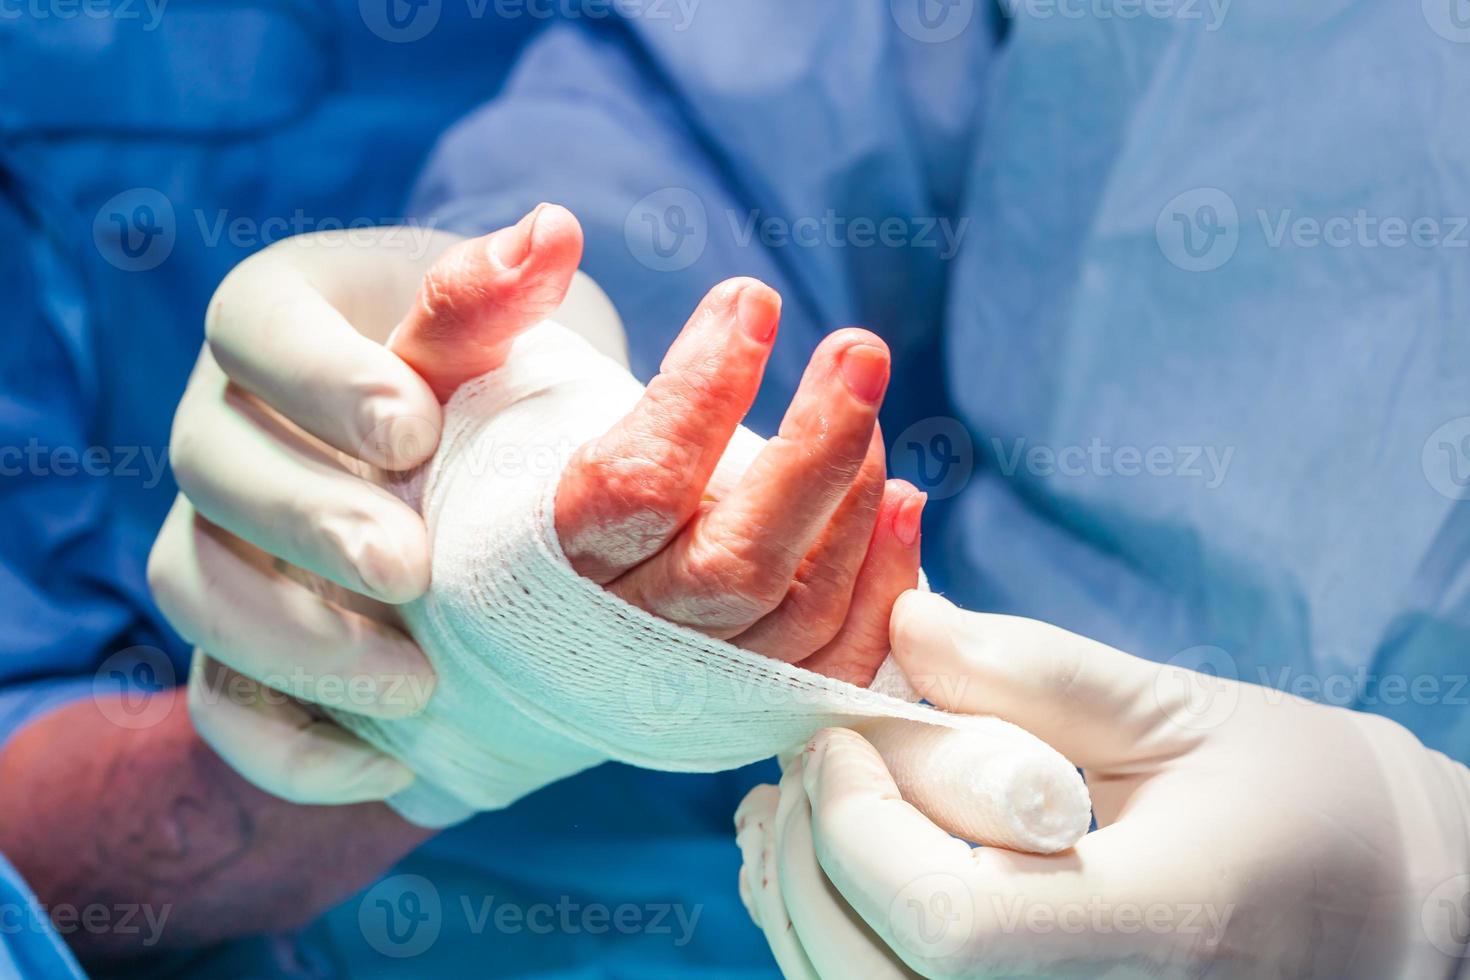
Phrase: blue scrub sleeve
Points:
(72, 594)
(29, 945)
(686, 168)
(581, 124)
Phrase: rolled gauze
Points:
(543, 673)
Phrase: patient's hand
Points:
(803, 559)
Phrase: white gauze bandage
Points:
(542, 673)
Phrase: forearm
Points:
(94, 814)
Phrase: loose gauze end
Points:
(542, 673)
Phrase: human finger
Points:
(248, 471)
(281, 746)
(734, 562)
(276, 327)
(821, 592)
(836, 940)
(947, 909)
(1099, 707)
(755, 833)
(890, 567)
(626, 494)
(482, 293)
(225, 595)
(752, 817)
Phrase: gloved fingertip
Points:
(919, 620)
(380, 779)
(398, 432)
(759, 802)
(392, 560)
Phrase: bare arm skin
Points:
(96, 814)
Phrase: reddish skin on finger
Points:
(482, 293)
(817, 603)
(626, 495)
(890, 569)
(734, 562)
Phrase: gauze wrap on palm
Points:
(542, 673)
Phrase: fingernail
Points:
(908, 518)
(759, 311)
(510, 246)
(865, 371)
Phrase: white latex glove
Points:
(1242, 832)
(282, 552)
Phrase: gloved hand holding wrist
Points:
(283, 553)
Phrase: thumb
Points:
(483, 292)
(1101, 708)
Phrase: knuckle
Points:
(167, 584)
(739, 567)
(819, 600)
(184, 456)
(687, 390)
(216, 320)
(352, 540)
(452, 289)
(642, 480)
(163, 584)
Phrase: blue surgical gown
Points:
(1150, 404)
